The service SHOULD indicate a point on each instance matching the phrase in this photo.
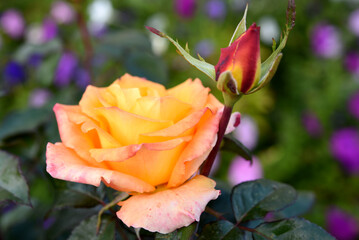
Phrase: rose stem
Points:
(222, 129)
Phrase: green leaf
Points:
(13, 185)
(231, 144)
(294, 229)
(203, 66)
(78, 195)
(25, 51)
(87, 230)
(184, 233)
(23, 122)
(254, 199)
(45, 72)
(221, 230)
(302, 205)
(241, 27)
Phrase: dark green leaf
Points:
(302, 205)
(254, 199)
(13, 185)
(146, 65)
(231, 144)
(23, 122)
(293, 229)
(87, 230)
(222, 230)
(76, 198)
(184, 233)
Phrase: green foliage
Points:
(87, 230)
(179, 234)
(13, 185)
(231, 144)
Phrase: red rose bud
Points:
(241, 62)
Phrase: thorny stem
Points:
(222, 129)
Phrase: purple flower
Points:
(62, 12)
(204, 48)
(14, 73)
(353, 105)
(65, 69)
(247, 132)
(49, 30)
(342, 225)
(242, 170)
(312, 124)
(185, 8)
(12, 23)
(39, 97)
(352, 63)
(82, 78)
(216, 9)
(325, 41)
(353, 22)
(344, 145)
(34, 60)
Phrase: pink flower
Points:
(242, 170)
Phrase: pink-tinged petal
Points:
(126, 152)
(63, 163)
(191, 92)
(128, 81)
(233, 123)
(167, 210)
(198, 149)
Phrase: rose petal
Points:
(128, 81)
(197, 150)
(63, 163)
(168, 210)
(126, 127)
(191, 92)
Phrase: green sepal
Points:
(201, 65)
(241, 27)
(227, 84)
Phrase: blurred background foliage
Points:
(303, 128)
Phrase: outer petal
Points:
(168, 210)
(63, 163)
(197, 150)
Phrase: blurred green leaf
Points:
(23, 121)
(184, 233)
(13, 185)
(293, 229)
(222, 230)
(26, 50)
(231, 144)
(147, 65)
(78, 196)
(46, 71)
(254, 199)
(87, 230)
(303, 203)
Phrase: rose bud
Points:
(239, 65)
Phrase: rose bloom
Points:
(138, 137)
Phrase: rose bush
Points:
(138, 137)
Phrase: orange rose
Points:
(138, 137)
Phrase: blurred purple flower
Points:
(48, 222)
(39, 97)
(82, 78)
(12, 23)
(312, 124)
(247, 132)
(185, 8)
(342, 225)
(65, 69)
(325, 41)
(14, 73)
(216, 9)
(353, 105)
(62, 12)
(352, 63)
(242, 170)
(344, 145)
(34, 60)
(204, 48)
(49, 30)
(353, 22)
